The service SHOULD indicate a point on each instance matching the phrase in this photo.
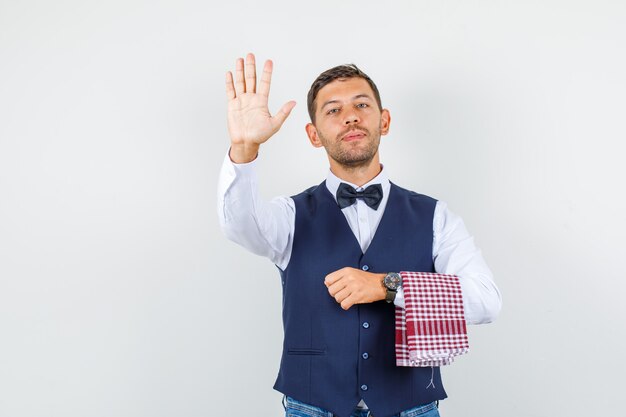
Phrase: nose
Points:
(351, 118)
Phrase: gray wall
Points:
(120, 297)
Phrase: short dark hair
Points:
(340, 72)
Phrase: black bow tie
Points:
(347, 195)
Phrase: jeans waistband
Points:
(312, 411)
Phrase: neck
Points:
(358, 175)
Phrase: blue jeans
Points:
(295, 408)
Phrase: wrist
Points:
(241, 153)
(392, 281)
(382, 290)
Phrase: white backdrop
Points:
(120, 297)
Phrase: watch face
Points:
(392, 281)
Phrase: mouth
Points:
(353, 135)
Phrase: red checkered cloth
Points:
(430, 330)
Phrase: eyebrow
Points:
(358, 96)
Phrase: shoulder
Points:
(413, 196)
(309, 199)
(309, 193)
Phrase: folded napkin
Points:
(430, 330)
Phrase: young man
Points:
(339, 247)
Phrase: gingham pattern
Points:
(430, 330)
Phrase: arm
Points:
(265, 228)
(455, 253)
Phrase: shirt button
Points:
(366, 325)
(364, 387)
(365, 267)
(365, 355)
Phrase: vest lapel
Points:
(390, 212)
(341, 220)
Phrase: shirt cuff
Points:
(231, 170)
(399, 300)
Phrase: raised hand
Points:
(249, 120)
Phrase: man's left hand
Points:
(350, 286)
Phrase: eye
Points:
(362, 105)
(332, 111)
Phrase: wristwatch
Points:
(392, 282)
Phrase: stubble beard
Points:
(351, 157)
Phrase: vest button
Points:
(366, 325)
(364, 387)
(365, 267)
(365, 355)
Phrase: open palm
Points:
(249, 120)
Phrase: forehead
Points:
(344, 90)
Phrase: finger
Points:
(230, 88)
(342, 295)
(280, 117)
(266, 78)
(240, 84)
(250, 74)
(333, 277)
(349, 302)
(335, 288)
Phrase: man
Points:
(339, 247)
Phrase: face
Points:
(348, 122)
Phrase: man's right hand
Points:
(249, 121)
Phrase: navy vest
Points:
(331, 357)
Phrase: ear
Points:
(385, 121)
(311, 132)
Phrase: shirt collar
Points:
(332, 183)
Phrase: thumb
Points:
(280, 117)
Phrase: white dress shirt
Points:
(266, 228)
